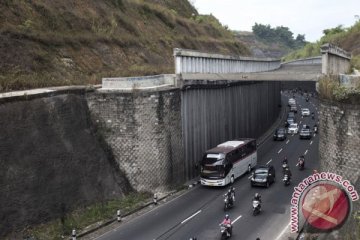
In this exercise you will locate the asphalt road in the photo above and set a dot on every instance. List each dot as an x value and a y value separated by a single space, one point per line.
198 212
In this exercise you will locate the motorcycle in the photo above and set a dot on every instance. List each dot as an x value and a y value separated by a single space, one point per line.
301 163
285 166
228 202
256 207
226 231
313 116
286 180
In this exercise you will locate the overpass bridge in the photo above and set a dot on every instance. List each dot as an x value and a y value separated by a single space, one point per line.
209 99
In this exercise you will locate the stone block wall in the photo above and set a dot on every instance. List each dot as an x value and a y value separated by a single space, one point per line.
52 161
144 131
339 150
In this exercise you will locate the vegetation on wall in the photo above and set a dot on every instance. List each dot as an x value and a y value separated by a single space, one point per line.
331 88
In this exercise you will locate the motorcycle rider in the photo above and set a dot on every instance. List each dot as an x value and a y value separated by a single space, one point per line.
285 163
315 128
301 161
257 197
229 196
227 223
232 190
287 172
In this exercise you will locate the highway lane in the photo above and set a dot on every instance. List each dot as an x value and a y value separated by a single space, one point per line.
199 211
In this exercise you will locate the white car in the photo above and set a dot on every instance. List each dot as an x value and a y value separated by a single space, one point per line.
305 112
291 102
293 128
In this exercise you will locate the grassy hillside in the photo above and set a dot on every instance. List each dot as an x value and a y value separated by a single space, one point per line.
260 48
50 43
348 39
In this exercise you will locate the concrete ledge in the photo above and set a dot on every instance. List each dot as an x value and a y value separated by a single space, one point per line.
130 83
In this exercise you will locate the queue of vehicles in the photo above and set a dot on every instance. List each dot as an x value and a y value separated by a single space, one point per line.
227 161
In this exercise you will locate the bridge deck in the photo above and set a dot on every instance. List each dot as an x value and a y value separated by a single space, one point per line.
284 73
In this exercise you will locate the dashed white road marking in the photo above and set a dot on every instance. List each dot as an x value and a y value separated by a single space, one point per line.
279 151
314 134
311 142
191 217
287 141
236 219
269 162
282 232
306 152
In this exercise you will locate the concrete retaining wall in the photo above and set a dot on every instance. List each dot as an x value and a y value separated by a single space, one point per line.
334 59
52 161
190 61
143 129
217 113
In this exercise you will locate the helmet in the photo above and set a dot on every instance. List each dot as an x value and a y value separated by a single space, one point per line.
256 195
229 191
232 189
227 216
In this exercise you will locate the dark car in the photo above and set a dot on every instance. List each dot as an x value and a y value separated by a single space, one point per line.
280 134
305 133
263 176
291 115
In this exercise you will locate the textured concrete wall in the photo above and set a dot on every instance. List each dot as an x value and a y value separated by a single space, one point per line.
334 59
190 61
52 161
339 150
144 132
304 61
215 113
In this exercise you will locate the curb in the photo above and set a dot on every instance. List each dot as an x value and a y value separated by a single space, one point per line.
114 219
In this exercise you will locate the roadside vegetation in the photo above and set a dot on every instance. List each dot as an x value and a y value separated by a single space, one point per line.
330 88
82 218
51 43
346 38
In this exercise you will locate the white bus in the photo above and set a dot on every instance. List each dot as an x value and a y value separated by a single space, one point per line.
227 161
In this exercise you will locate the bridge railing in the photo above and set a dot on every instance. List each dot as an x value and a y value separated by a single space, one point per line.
305 61
190 61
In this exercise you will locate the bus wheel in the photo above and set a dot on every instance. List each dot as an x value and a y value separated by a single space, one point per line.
249 168
232 179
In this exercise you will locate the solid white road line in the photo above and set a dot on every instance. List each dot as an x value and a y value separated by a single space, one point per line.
287 141
279 151
269 162
311 142
191 217
306 152
236 219
282 232
314 134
